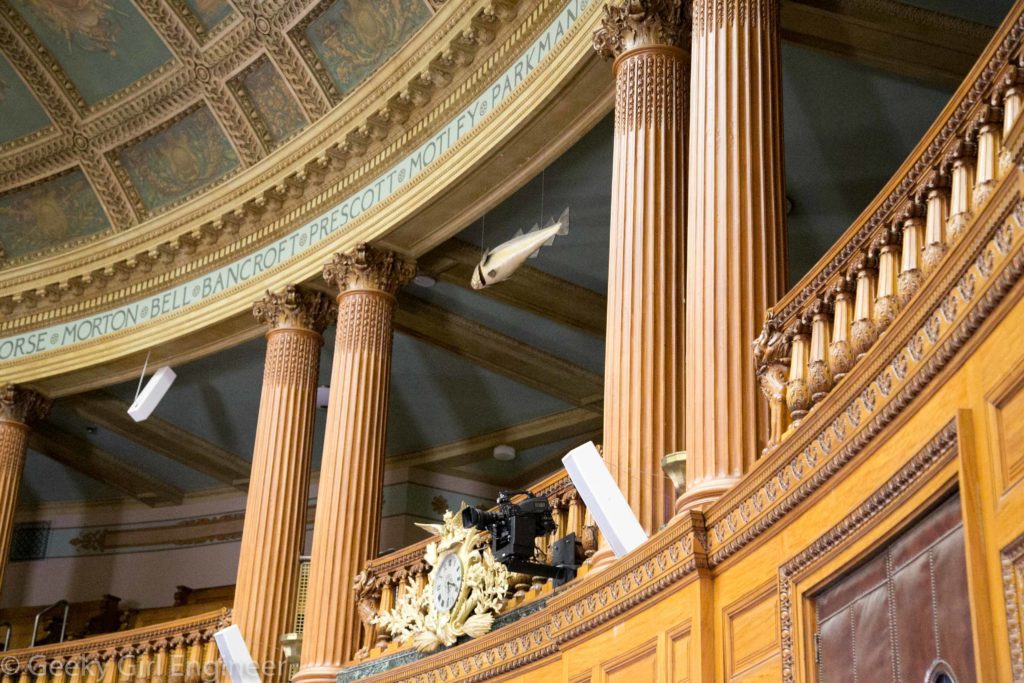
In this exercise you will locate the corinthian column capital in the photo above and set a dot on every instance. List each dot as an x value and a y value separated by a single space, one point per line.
368 268
296 307
642 23
25 406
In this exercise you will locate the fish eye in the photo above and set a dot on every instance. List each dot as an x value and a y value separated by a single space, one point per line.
492 273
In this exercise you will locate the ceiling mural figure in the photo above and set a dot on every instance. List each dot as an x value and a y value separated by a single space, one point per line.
91 25
177 161
353 37
55 211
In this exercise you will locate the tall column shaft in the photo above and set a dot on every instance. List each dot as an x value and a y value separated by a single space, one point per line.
19 408
347 525
275 511
736 247
644 351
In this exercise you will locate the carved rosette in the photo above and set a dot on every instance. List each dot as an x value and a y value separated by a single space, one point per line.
368 268
642 23
21 405
295 307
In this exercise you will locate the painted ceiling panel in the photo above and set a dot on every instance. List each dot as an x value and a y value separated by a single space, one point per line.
263 91
580 179
438 397
351 38
174 473
102 45
209 12
847 129
577 347
179 160
47 481
526 460
58 210
20 113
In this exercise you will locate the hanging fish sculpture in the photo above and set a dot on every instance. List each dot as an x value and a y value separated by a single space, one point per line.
499 263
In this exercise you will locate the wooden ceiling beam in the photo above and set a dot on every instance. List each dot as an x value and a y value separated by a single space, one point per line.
885 34
521 436
161 436
94 462
499 352
531 289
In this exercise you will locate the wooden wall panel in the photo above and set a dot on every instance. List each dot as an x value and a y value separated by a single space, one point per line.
1006 411
751 631
632 666
679 655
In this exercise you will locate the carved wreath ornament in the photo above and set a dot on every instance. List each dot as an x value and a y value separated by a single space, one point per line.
465 589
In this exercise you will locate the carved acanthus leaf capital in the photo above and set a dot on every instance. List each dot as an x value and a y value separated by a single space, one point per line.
296 307
642 23
366 267
26 406
772 345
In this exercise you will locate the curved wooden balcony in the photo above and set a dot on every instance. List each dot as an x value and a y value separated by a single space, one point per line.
181 651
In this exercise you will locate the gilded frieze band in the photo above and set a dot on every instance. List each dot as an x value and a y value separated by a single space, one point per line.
555 30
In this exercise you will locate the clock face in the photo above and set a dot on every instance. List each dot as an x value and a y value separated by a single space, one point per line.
447 583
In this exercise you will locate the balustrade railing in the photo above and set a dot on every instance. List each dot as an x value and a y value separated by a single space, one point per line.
180 651
820 330
385 578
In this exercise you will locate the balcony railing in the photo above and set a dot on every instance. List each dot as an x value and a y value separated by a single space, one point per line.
387 577
820 330
181 651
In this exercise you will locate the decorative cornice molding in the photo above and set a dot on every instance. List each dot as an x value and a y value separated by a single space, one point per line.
336 158
25 406
366 267
642 23
922 341
938 449
296 307
1012 561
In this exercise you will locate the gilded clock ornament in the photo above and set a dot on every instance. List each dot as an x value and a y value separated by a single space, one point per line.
465 590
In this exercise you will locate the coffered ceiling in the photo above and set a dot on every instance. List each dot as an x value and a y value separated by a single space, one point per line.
113 111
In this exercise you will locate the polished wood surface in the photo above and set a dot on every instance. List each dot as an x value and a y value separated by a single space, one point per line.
275 511
347 524
735 235
643 382
19 409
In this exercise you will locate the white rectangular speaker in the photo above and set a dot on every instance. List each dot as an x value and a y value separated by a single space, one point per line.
149 397
235 653
604 499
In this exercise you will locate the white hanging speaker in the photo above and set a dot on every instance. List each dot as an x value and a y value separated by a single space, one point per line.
235 653
147 399
604 499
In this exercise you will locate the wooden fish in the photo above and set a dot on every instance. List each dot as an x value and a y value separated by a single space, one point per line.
499 263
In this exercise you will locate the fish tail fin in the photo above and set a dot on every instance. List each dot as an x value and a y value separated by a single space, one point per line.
563 221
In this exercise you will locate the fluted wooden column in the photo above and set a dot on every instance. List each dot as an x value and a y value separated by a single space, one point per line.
643 386
347 525
735 235
19 408
275 512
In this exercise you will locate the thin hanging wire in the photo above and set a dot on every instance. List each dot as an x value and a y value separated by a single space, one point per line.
483 228
144 366
542 197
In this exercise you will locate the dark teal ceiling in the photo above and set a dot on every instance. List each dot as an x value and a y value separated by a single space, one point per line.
847 129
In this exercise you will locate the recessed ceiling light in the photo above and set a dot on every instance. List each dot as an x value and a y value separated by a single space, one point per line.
91 429
424 280
504 452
